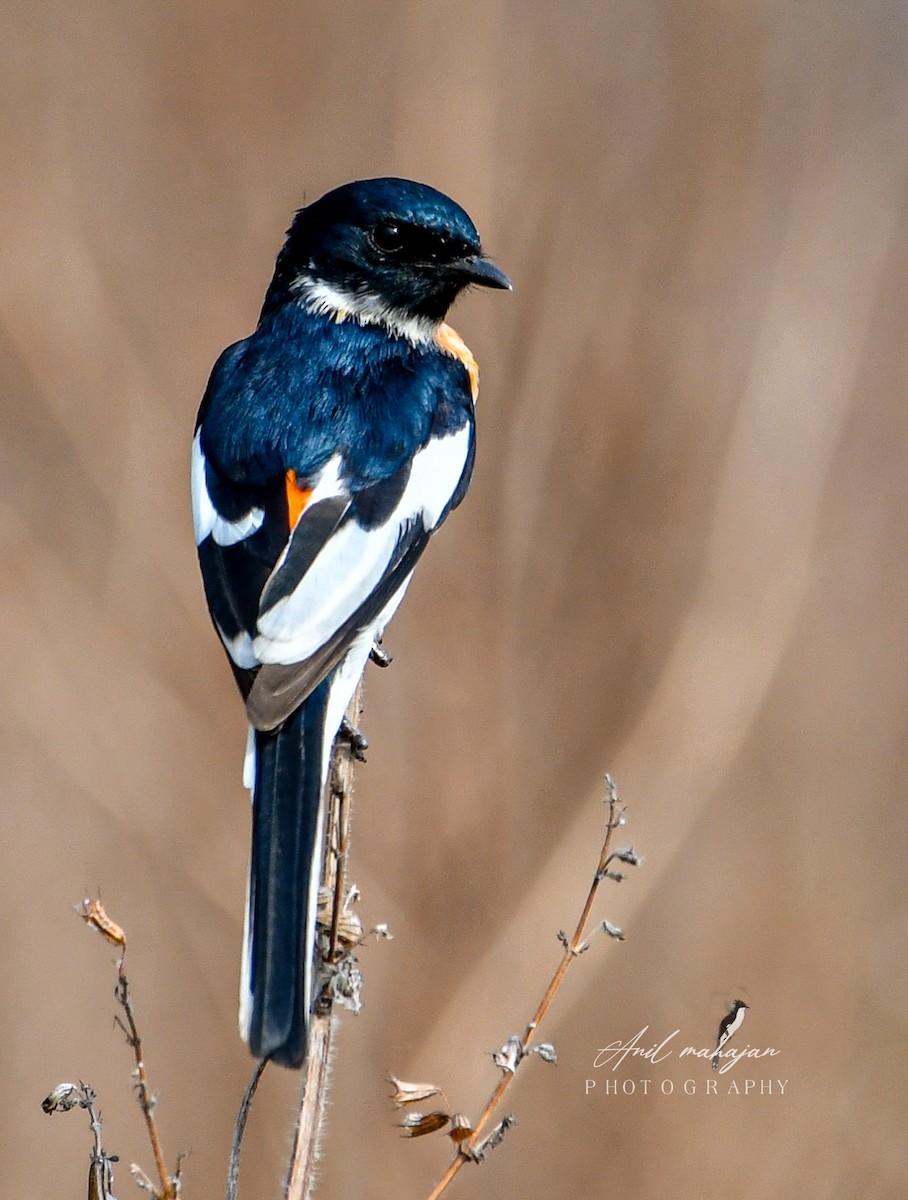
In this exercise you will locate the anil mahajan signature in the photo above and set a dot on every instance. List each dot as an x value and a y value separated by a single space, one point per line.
616 1052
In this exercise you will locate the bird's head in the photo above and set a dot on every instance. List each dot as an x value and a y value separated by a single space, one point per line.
386 251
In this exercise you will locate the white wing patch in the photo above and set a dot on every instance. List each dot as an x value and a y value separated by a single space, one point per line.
239 648
435 474
350 566
249 760
207 520
328 481
345 572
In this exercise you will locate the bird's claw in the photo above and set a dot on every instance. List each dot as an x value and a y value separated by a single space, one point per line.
358 742
380 657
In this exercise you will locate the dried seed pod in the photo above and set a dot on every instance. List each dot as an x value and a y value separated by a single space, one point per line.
349 926
64 1097
93 914
410 1093
461 1128
418 1125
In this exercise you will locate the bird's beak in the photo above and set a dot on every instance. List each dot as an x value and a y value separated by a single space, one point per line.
482 272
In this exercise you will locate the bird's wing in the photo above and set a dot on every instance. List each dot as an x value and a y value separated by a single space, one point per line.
295 572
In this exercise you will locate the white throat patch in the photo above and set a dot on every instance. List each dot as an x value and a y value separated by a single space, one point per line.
367 309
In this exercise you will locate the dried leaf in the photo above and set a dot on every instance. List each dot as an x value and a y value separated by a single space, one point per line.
495 1138
344 985
141 1180
418 1125
349 926
628 855
615 875
349 929
509 1056
410 1093
546 1052
613 931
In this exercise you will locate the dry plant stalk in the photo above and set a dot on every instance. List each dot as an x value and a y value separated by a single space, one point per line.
313 1094
94 915
472 1148
314 1091
170 1185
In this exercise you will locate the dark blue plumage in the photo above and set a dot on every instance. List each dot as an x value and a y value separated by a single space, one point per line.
330 444
342 238
346 384
287 786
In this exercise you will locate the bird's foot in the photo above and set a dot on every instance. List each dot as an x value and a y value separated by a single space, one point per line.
358 742
380 657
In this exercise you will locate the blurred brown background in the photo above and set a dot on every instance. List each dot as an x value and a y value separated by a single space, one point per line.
682 560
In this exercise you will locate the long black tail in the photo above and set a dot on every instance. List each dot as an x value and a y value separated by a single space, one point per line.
287 819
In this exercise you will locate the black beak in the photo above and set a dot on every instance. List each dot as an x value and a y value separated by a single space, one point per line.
482 272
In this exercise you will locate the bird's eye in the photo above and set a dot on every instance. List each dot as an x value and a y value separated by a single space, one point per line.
388 236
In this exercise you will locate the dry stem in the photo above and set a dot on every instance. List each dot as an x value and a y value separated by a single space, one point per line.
94 915
313 1096
573 947
170 1187
314 1092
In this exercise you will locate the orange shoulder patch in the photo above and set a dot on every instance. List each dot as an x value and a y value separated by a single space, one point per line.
297 499
452 343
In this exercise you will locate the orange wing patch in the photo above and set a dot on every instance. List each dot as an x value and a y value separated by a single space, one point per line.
297 499
452 343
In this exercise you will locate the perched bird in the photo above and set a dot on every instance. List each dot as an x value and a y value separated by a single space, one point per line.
330 445
729 1025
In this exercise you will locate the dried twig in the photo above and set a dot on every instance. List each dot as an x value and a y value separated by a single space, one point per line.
516 1049
170 1186
94 915
338 965
301 1172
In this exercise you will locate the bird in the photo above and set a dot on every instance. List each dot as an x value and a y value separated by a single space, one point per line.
729 1025
330 445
